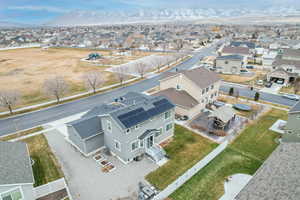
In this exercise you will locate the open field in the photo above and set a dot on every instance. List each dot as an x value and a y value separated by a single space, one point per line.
25 70
46 167
185 150
245 155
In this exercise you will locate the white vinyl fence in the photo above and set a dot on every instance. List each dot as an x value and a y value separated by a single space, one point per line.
51 187
191 172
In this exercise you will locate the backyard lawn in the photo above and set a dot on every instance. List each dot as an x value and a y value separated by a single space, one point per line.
244 155
185 150
46 167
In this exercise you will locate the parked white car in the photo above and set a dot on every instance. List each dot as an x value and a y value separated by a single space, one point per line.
260 82
291 96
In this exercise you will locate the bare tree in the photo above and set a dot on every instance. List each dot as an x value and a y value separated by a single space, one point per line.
141 68
56 87
120 73
93 79
8 99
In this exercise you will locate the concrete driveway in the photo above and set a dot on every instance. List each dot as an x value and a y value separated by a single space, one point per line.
86 180
274 89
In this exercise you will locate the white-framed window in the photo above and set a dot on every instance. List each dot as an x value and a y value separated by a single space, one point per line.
212 86
134 145
141 143
169 126
207 89
13 194
109 128
159 132
203 91
167 114
117 145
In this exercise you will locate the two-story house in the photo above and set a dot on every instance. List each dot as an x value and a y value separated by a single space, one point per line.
190 90
129 127
231 64
16 176
286 66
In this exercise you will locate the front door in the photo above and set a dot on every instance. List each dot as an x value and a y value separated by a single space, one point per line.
150 141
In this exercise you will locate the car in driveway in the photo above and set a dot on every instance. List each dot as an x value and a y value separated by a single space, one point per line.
292 97
250 67
268 84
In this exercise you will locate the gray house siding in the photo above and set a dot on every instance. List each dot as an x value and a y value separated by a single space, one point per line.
94 143
228 66
126 139
75 139
27 190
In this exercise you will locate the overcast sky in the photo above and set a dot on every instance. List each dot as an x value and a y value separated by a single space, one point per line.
39 11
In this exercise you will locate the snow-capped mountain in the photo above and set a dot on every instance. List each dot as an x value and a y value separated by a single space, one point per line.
81 17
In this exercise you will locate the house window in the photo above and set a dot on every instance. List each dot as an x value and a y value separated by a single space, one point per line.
167 114
169 126
141 143
109 125
207 89
159 132
212 87
14 194
134 145
212 95
178 87
203 91
117 145
127 131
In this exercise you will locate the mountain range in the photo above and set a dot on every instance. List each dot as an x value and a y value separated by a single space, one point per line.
82 17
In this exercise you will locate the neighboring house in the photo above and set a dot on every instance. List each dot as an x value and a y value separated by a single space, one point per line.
279 176
250 45
16 176
292 128
190 90
268 58
128 127
286 66
242 51
231 64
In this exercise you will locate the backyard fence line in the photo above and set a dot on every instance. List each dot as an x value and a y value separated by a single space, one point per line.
191 172
51 187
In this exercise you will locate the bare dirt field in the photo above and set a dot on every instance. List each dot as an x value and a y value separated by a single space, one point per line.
25 70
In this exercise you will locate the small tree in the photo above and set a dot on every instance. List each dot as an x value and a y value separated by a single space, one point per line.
256 96
120 73
231 91
93 79
8 99
56 87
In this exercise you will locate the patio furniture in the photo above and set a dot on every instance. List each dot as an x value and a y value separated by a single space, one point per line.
98 158
103 163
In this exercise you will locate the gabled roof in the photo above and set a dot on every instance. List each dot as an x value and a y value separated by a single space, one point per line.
87 127
15 163
236 50
231 57
178 97
200 76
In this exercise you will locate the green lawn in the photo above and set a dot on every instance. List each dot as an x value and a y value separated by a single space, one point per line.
185 150
244 155
208 183
46 167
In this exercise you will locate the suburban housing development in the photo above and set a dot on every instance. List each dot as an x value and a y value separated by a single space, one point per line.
131 101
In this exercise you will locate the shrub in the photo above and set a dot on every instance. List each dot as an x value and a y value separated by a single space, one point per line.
231 91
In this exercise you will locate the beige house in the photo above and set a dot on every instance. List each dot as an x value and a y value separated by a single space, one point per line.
231 64
190 90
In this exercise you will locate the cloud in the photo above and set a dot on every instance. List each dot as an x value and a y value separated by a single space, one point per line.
39 8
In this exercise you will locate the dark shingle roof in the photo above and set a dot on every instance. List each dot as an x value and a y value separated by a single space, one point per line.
250 45
87 127
15 164
278 178
236 50
178 97
230 57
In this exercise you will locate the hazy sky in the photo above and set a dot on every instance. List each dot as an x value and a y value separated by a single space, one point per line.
39 11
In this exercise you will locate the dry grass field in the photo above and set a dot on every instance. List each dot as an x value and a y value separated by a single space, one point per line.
25 70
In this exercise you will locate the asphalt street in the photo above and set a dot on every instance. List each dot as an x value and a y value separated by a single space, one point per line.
47 115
